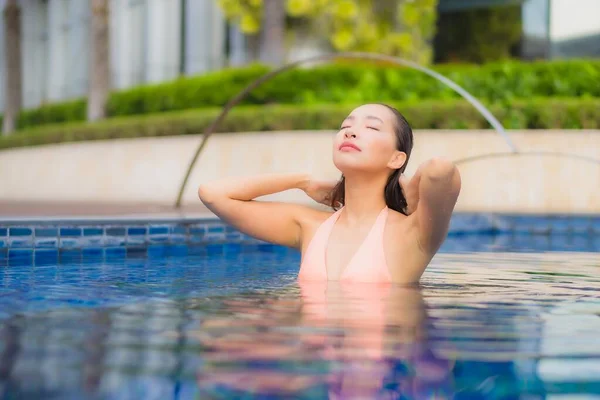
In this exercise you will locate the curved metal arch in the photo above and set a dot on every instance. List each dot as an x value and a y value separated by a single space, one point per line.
336 56
480 157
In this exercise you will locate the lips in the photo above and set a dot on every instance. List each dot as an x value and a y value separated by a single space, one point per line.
349 146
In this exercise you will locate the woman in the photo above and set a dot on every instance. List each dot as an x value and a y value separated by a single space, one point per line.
386 229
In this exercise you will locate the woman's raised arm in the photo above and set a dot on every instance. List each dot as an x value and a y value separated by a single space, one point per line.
233 200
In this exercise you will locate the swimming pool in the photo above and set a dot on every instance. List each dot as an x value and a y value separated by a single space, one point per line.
188 309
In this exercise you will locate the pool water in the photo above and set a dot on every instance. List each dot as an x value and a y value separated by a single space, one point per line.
231 321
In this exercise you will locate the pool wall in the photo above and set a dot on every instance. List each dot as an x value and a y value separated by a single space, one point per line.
26 242
150 170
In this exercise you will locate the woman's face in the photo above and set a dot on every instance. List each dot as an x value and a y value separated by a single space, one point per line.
367 141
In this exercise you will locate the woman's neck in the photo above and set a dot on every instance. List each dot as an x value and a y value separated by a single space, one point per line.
364 197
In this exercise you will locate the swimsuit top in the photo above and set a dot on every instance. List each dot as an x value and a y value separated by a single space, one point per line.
368 264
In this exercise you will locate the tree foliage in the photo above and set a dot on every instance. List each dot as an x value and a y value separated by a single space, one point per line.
397 27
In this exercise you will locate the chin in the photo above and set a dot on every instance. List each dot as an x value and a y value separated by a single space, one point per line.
349 166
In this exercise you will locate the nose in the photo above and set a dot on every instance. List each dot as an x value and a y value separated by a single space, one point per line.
349 134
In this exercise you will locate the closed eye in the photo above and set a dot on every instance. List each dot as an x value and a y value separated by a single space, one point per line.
373 128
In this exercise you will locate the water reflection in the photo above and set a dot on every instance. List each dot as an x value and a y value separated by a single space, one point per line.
338 340
482 326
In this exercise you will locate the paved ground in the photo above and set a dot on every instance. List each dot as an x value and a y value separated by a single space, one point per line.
31 210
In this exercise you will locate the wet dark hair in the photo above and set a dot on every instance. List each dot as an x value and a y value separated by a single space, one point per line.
394 198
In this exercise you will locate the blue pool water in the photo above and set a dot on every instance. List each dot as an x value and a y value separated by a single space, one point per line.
197 311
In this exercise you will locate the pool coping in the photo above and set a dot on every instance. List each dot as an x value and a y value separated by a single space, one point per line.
112 219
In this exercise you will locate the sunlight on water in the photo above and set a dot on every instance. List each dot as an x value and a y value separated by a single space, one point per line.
491 325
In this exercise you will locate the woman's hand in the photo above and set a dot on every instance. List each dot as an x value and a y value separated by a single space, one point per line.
410 189
319 190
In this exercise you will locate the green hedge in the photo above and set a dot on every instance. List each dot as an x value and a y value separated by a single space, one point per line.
341 83
570 113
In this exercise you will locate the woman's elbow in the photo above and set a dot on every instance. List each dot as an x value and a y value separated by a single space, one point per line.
440 169
443 171
207 194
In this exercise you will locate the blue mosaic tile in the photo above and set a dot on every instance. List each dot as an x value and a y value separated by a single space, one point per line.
158 230
216 229
115 231
177 250
197 229
580 225
3 232
115 253
136 231
595 243
542 226
179 229
114 240
20 256
157 251
93 231
561 242
580 241
69 255
46 242
232 248
136 240
66 243
178 238
470 223
45 256
20 242
197 250
3 254
3 243
136 252
92 252
197 233
501 224
540 242
93 241
214 249
213 238
46 232
523 223
159 239
559 224
233 236
70 232
596 224
19 231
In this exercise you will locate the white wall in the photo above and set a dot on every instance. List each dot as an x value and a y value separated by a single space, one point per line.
571 19
205 36
163 38
77 58
57 50
149 170
2 61
34 52
145 45
128 24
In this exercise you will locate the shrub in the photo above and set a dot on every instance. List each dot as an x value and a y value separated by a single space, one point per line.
540 113
343 84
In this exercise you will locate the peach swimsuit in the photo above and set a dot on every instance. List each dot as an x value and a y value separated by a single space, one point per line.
368 264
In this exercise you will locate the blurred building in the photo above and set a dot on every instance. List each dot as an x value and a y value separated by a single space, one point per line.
158 40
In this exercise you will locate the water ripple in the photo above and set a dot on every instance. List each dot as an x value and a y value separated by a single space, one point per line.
486 326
